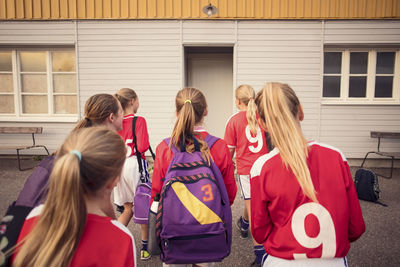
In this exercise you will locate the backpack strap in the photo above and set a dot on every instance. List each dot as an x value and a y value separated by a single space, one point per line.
211 140
269 141
138 155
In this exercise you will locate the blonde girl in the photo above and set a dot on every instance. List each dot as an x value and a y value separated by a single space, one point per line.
304 206
243 136
74 227
191 108
124 192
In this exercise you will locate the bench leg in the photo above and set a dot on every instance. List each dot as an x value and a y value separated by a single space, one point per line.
391 168
365 158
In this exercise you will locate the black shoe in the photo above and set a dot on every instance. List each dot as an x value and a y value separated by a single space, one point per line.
255 264
243 233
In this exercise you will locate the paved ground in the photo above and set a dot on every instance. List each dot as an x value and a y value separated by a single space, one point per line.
379 246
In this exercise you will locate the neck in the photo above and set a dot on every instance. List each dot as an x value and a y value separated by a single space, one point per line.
100 205
242 107
129 110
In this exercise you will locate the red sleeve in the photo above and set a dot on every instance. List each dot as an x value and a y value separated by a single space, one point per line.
356 221
230 133
222 158
261 224
142 135
161 163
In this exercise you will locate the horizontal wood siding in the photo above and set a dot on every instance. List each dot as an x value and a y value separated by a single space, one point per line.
288 52
348 126
142 55
203 32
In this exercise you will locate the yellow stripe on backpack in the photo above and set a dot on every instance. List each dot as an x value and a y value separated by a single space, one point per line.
202 213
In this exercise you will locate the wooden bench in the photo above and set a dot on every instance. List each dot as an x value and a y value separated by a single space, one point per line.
23 130
392 155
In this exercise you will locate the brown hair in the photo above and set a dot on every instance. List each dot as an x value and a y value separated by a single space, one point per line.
97 109
125 95
245 94
278 107
54 239
190 107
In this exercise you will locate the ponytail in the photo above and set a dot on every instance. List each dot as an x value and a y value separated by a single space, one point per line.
245 94
278 107
190 107
65 209
87 160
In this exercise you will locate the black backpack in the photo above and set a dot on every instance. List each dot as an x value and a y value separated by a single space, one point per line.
367 186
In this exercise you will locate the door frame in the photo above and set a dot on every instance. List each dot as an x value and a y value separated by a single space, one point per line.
210 44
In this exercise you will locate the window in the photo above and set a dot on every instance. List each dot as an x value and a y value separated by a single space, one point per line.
361 76
38 84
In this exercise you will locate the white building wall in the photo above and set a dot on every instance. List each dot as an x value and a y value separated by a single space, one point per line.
288 52
348 126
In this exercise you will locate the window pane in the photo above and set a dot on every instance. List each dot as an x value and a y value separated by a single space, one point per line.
65 104
5 61
63 61
332 62
385 62
331 86
34 83
6 83
6 104
383 86
358 62
358 87
33 61
34 104
64 83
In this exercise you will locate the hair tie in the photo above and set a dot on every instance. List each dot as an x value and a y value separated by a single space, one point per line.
250 98
188 101
87 119
77 153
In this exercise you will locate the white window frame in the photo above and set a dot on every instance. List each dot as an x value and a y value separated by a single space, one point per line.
344 99
18 115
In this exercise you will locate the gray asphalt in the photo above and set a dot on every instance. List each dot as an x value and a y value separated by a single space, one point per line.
379 246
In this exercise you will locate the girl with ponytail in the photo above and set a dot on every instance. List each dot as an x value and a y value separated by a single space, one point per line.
74 227
304 206
191 108
244 136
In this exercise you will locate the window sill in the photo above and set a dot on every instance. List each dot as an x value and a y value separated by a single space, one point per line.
384 102
10 118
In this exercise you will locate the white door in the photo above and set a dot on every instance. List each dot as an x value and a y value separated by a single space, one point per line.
213 75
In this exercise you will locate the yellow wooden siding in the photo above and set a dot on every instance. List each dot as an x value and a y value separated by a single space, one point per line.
192 9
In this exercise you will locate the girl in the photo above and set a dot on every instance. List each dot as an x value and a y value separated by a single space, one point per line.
243 135
124 192
74 227
304 206
191 108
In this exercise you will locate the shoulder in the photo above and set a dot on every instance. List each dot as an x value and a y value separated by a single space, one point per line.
260 162
327 149
122 229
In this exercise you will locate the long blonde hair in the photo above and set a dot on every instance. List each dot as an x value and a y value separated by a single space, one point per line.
278 107
54 239
245 94
190 107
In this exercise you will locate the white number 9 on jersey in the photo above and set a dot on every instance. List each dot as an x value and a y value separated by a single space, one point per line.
258 140
326 236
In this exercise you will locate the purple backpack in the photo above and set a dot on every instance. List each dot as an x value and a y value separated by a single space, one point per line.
194 218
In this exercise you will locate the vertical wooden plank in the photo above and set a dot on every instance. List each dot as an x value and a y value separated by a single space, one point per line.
362 8
37 9
388 9
178 9
133 9
203 3
275 9
186 8
46 9
142 8
371 9
70 7
125 9
168 12
231 10
258 9
151 9
250 9
107 7
55 9
267 9
81 9
160 9
3 7
90 9
98 9
27 9
307 9
194 8
10 9
115 9
241 8
222 8
343 8
19 9
288 9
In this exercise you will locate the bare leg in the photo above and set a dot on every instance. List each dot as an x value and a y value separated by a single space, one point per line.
144 228
126 216
247 209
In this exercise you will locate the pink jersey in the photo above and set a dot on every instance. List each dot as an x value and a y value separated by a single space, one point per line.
141 134
289 224
104 242
249 147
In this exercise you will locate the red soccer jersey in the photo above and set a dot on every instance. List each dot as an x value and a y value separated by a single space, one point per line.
141 134
219 153
104 242
288 223
249 147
